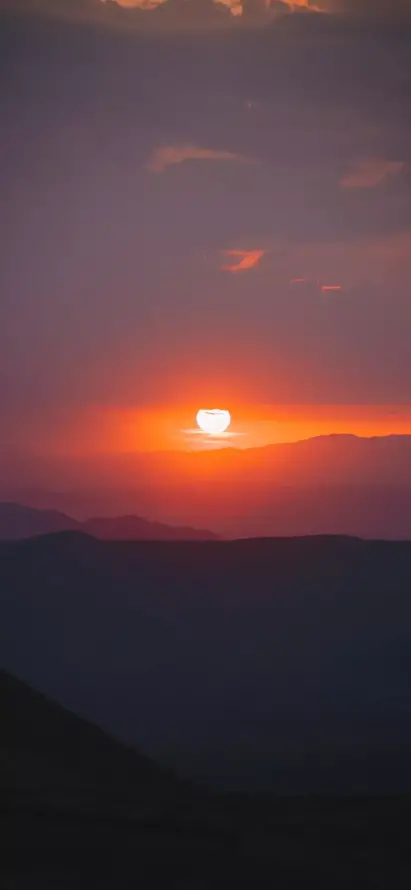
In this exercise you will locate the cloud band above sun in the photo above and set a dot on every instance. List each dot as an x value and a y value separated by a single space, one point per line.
236 8
188 15
165 14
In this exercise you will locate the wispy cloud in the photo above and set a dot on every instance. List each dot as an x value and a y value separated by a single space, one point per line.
236 8
370 173
333 266
167 14
246 259
137 4
324 288
167 155
204 14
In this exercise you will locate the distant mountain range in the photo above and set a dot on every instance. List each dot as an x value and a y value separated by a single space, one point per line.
18 521
281 665
336 484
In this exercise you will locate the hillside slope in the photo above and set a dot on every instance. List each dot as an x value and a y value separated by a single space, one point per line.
18 522
277 664
78 809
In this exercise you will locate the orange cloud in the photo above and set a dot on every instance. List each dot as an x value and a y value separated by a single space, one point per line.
249 259
297 4
323 287
168 14
371 173
137 4
234 6
363 262
168 155
250 10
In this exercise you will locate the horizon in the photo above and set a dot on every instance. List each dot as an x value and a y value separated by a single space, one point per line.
168 429
336 484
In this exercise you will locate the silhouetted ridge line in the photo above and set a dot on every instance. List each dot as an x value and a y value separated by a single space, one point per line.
17 521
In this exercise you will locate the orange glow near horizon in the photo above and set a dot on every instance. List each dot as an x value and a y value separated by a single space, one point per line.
116 430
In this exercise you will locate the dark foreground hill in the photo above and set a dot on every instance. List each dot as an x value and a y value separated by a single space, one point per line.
281 665
78 809
18 521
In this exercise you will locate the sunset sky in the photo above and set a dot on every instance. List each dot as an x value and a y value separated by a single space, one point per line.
203 204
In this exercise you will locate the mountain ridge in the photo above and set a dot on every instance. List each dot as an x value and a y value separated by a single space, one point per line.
338 484
18 521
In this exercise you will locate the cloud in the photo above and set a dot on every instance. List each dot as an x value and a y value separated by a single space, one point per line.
137 4
165 14
236 8
168 155
247 259
208 14
371 173
325 288
332 266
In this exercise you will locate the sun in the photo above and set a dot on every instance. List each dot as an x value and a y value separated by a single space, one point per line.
213 421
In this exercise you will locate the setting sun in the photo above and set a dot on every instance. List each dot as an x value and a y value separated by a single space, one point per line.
213 421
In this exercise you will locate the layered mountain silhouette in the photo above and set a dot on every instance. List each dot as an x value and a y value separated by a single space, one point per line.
17 521
280 665
340 484
80 809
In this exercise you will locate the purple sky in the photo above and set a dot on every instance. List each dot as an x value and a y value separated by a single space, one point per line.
140 147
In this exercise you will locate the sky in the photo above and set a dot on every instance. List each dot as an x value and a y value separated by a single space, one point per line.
203 204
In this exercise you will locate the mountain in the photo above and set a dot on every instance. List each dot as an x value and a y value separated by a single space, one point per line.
17 521
340 485
280 665
77 805
79 809
133 528
57 756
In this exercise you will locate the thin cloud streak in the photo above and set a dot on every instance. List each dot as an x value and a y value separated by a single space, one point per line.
371 173
248 259
169 155
325 288
146 5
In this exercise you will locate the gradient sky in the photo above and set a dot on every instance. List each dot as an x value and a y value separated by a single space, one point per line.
202 203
